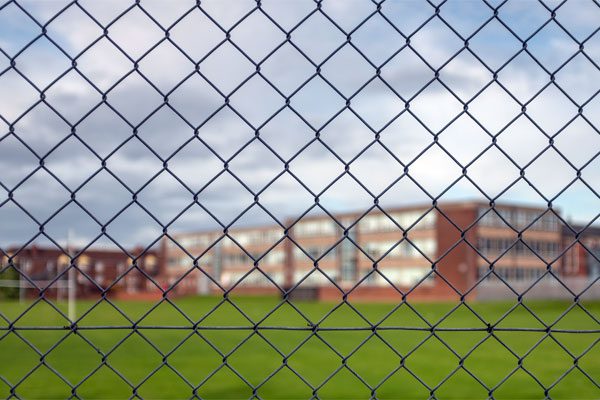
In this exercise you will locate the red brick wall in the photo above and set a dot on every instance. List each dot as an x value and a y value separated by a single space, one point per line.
38 258
459 265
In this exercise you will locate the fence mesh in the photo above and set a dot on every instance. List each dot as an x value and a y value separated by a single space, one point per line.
228 63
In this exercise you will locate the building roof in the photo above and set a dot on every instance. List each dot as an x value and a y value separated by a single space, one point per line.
592 230
357 213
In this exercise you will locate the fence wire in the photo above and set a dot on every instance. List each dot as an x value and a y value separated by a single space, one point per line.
405 40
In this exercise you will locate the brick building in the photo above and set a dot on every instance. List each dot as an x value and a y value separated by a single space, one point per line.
413 250
97 269
224 261
581 258
374 256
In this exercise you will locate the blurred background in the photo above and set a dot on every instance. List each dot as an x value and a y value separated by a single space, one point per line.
305 156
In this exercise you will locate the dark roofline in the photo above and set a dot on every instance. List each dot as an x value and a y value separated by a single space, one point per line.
400 208
592 230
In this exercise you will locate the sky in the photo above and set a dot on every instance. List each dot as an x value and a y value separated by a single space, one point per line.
324 115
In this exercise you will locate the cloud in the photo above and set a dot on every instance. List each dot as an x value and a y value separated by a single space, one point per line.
210 121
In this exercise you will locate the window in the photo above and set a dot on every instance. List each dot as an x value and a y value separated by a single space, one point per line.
547 222
519 248
277 277
315 228
555 249
236 258
427 246
257 279
514 273
242 238
407 219
189 241
150 263
179 262
490 219
376 249
299 254
519 274
552 221
348 271
274 257
401 220
99 267
521 220
428 221
315 252
186 242
132 282
482 271
497 246
370 223
261 237
405 276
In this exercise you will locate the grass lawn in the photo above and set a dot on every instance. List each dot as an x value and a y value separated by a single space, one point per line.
337 363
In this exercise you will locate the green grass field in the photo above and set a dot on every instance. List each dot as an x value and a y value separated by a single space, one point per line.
248 353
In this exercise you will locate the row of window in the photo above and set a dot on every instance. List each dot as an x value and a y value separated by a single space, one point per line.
403 249
254 279
255 237
191 241
382 223
374 249
322 227
271 258
370 223
244 238
95 269
52 267
315 252
316 278
518 219
543 248
185 261
324 252
518 274
399 276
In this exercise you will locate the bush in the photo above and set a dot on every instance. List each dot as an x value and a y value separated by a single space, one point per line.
9 292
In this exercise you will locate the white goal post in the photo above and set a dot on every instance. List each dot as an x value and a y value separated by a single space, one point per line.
70 285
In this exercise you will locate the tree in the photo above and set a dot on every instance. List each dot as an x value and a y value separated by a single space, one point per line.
9 273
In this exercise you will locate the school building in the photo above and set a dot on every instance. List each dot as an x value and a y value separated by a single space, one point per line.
418 251
415 252
96 271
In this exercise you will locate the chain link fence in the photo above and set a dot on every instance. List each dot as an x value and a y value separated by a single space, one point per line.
294 133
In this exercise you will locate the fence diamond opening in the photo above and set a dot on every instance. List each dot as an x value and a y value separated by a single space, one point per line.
321 153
